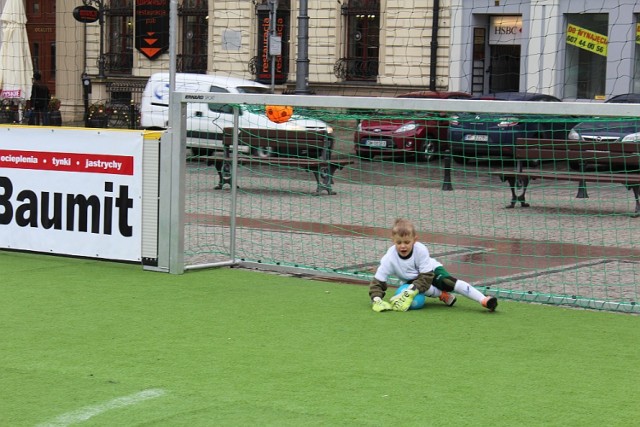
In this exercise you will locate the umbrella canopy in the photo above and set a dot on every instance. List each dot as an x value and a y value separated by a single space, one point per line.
16 69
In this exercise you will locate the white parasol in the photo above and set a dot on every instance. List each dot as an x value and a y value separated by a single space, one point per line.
16 69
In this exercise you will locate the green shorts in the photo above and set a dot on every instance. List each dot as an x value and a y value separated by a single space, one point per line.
439 279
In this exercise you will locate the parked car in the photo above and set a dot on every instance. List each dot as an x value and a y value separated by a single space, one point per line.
477 136
206 121
406 134
607 130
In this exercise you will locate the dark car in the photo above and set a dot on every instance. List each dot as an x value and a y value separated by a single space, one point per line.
610 129
477 136
419 135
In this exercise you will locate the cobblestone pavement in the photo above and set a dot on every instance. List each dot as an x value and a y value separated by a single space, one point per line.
576 244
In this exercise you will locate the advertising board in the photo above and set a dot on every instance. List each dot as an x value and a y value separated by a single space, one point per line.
71 191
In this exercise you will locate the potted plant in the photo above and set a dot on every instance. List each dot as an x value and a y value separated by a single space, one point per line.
8 111
97 116
54 111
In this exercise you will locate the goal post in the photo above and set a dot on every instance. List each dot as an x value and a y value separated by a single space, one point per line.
562 250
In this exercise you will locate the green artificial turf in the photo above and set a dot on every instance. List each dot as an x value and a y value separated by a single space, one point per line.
82 340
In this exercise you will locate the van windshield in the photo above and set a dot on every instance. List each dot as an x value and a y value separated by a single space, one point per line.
253 89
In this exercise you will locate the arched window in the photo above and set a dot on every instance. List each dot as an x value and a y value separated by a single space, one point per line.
362 40
194 17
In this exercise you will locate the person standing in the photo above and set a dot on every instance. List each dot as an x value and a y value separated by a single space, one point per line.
40 97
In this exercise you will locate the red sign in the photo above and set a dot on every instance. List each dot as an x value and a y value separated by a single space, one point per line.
152 27
11 93
264 59
67 162
86 14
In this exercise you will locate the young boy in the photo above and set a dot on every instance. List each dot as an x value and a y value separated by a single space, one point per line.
409 261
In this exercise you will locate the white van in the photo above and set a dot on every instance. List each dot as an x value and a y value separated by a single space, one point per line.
206 121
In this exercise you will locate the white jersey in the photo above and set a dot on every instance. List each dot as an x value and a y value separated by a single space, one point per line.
408 269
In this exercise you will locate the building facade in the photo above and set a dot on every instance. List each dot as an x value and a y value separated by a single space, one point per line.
576 50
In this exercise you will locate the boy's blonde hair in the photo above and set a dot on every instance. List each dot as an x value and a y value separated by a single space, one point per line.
403 227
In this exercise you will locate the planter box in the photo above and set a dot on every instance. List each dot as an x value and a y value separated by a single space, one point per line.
98 122
55 118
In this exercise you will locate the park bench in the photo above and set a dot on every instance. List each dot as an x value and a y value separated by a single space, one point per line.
284 149
597 162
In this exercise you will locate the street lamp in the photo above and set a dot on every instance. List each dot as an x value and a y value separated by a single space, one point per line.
100 5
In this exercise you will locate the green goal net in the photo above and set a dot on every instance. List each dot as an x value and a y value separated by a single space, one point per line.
555 246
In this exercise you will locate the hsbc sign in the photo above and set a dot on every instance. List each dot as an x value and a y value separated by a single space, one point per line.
505 30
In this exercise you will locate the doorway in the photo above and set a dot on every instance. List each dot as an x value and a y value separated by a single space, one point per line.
41 30
504 68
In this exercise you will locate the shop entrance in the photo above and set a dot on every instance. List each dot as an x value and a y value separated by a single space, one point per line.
41 31
504 75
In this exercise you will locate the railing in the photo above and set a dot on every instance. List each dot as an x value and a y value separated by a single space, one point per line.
118 62
356 69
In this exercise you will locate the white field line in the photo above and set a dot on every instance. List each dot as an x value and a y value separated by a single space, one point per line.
83 414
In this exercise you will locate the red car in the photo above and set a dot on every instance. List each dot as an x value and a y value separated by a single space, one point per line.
418 135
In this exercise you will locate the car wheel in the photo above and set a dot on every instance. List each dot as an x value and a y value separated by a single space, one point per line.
426 151
521 186
226 171
262 152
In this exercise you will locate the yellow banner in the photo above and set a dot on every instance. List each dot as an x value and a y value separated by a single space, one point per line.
638 33
587 40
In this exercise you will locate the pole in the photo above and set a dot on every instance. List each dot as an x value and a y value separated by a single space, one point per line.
84 78
101 64
173 152
302 62
101 61
446 182
273 13
434 45
173 50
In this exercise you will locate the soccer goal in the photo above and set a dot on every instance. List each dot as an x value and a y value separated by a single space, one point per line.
256 207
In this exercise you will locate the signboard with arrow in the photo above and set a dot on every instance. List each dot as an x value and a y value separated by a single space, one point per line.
152 27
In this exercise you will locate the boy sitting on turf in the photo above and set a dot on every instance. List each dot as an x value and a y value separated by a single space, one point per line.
410 262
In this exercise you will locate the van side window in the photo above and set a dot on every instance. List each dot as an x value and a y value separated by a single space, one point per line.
220 108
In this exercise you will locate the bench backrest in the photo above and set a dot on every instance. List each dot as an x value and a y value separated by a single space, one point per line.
279 139
563 150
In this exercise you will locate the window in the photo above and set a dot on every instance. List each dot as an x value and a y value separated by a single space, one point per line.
220 108
362 40
194 16
586 56
119 18
636 67
41 32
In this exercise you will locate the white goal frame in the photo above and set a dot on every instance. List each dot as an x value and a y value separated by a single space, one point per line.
173 151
